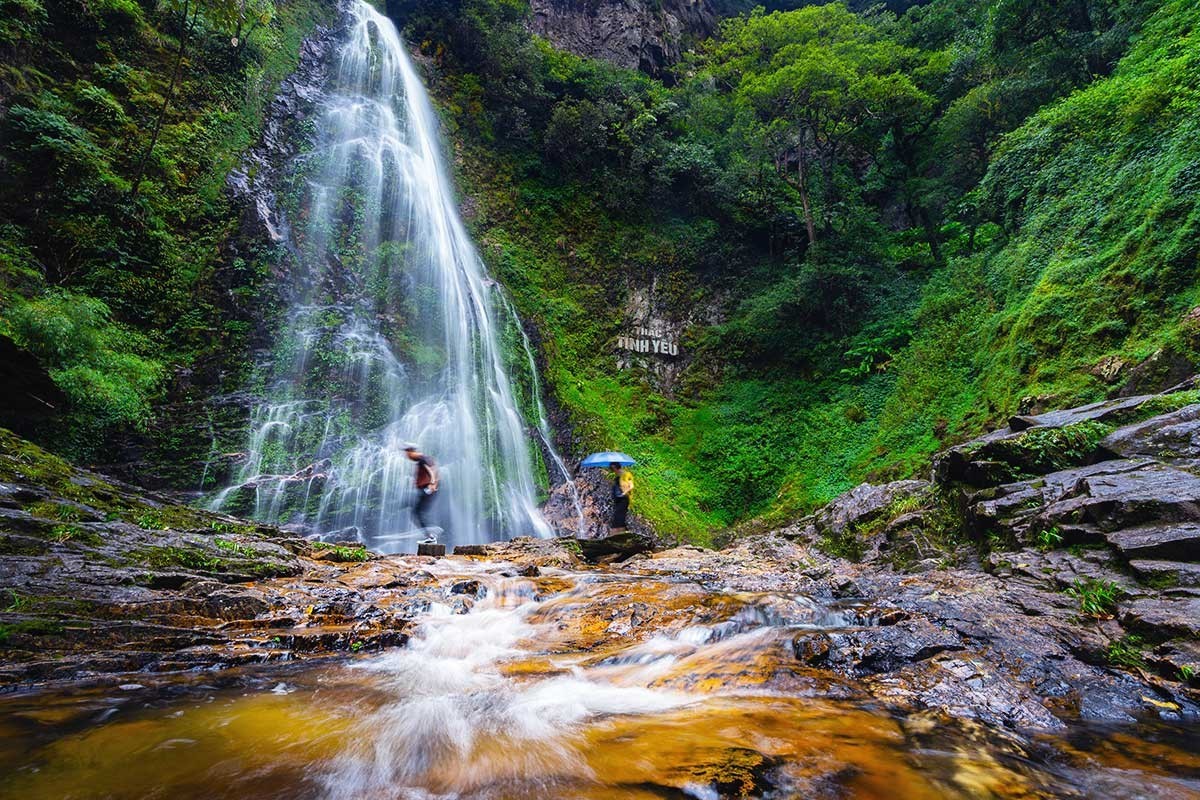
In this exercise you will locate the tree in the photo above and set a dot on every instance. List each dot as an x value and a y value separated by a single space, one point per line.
827 86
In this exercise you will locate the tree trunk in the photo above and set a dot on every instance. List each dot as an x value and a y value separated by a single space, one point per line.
162 112
802 184
931 234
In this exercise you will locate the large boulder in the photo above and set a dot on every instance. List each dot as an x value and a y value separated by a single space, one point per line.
859 519
1086 503
1116 500
1156 572
616 547
1163 617
1173 435
1056 440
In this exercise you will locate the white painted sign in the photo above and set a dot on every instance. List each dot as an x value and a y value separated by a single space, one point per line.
644 340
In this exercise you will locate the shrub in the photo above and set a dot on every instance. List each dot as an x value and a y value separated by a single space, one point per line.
91 358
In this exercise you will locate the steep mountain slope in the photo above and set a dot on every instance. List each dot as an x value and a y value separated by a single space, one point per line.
119 122
1015 242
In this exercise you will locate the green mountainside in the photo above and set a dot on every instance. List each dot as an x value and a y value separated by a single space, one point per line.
1002 206
119 122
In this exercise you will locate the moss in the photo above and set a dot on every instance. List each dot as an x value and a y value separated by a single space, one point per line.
75 533
1043 450
21 546
168 557
344 553
28 628
1158 405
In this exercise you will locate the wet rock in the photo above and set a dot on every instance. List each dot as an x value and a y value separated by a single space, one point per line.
1173 435
1177 541
1165 370
618 546
844 586
1101 411
1164 574
970 688
1057 570
1177 660
812 648
853 511
886 649
182 589
470 587
1163 617
1116 500
1088 502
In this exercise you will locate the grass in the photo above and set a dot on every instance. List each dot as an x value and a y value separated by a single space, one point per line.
1127 652
1097 598
346 553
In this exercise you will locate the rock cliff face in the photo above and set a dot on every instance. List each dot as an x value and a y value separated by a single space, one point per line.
630 33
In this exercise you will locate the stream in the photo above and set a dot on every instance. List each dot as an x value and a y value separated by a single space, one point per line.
565 684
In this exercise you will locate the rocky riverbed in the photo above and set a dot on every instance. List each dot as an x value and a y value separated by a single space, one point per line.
1041 584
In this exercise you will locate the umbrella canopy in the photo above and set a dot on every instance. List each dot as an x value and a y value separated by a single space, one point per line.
606 458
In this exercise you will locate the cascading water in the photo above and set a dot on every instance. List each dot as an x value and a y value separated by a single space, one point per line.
395 336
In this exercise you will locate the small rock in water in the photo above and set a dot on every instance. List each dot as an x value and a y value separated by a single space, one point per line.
282 688
130 687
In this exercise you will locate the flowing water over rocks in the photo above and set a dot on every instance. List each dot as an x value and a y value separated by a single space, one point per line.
395 333
155 650
524 678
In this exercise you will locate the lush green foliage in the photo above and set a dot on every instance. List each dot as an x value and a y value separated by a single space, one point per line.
906 225
120 123
1097 598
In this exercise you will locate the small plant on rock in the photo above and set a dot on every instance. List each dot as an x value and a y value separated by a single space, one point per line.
1097 598
1126 652
1050 538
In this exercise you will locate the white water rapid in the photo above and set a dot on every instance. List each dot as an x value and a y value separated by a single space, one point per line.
395 334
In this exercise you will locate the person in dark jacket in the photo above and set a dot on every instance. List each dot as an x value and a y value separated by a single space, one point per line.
622 489
426 482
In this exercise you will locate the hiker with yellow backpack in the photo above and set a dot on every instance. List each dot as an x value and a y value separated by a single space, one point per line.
622 485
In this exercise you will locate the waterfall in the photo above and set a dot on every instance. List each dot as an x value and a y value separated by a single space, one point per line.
395 333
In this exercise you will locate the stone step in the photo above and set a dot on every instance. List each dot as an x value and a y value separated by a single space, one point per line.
1173 541
1173 435
1161 572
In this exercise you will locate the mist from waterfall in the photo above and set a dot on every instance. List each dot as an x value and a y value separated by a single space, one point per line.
395 335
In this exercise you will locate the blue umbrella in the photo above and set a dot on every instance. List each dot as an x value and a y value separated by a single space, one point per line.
606 458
